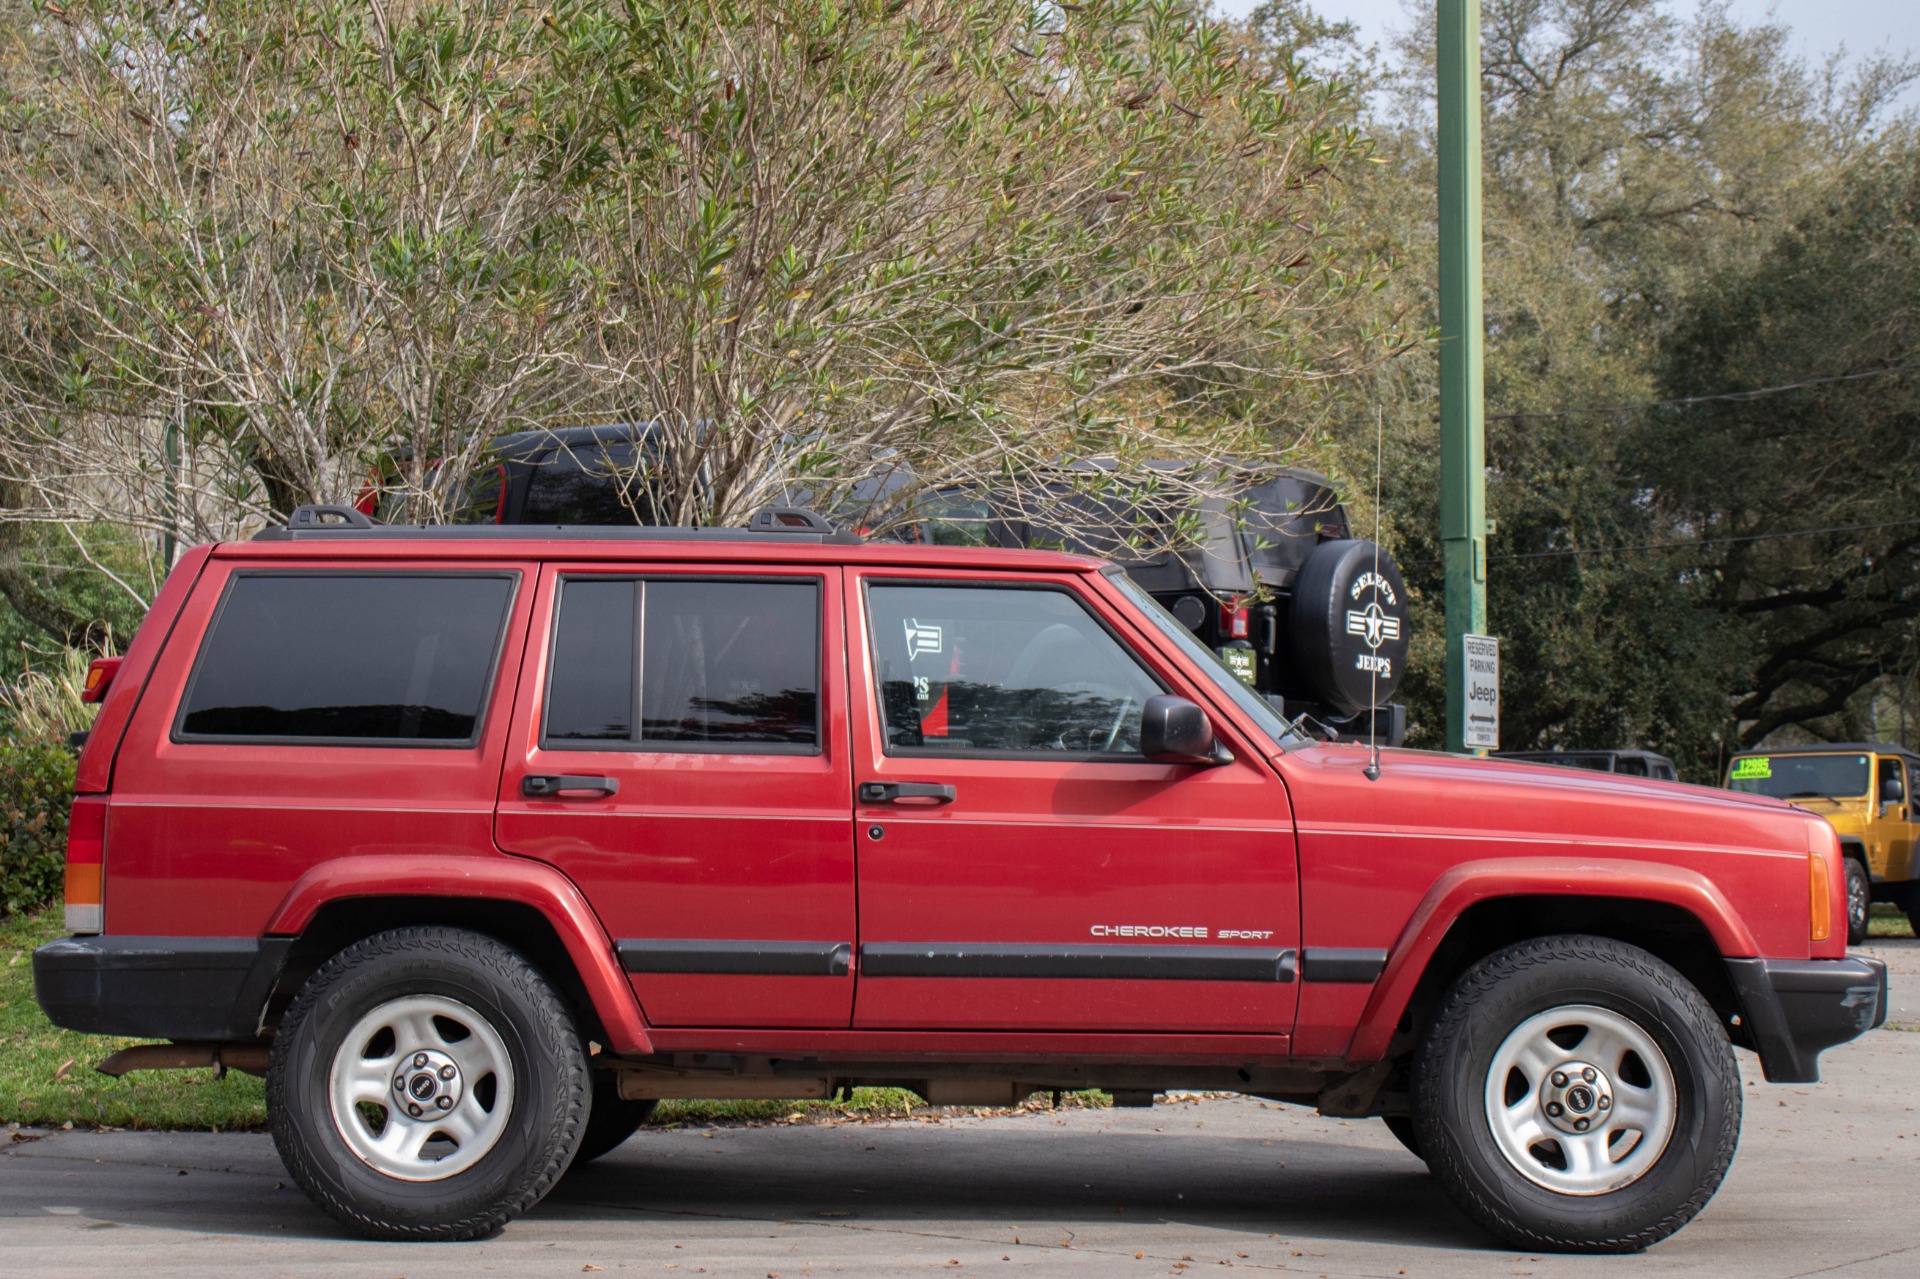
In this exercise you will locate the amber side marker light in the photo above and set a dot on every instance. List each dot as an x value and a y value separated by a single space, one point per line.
100 673
1820 903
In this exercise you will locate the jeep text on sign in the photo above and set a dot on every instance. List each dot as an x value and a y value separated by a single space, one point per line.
1482 653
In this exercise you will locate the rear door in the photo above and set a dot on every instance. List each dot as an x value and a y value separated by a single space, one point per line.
1022 865
678 750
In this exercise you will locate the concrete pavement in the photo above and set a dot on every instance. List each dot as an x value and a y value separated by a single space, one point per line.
1826 1183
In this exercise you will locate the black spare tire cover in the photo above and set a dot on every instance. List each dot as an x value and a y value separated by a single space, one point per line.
1347 625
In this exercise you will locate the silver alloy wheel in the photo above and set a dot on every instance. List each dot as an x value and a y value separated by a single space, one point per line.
1580 1100
421 1088
1858 904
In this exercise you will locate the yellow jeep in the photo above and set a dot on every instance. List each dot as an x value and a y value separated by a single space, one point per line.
1863 788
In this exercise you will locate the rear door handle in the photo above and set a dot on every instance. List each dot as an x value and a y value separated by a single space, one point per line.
894 792
535 786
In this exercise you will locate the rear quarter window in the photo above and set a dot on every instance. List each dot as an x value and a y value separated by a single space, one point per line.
348 659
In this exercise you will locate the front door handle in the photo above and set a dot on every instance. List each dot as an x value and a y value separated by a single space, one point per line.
895 792
535 786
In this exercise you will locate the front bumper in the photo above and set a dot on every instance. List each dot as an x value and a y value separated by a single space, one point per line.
191 989
1795 1009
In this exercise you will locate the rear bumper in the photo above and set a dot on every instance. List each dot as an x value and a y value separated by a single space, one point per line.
1795 1009
194 989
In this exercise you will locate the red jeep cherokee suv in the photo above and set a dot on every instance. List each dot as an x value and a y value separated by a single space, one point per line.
478 841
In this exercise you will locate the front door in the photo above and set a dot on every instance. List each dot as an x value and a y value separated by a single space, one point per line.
1022 866
678 751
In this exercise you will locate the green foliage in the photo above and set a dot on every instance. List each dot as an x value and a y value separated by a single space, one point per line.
1634 156
1823 621
43 706
36 781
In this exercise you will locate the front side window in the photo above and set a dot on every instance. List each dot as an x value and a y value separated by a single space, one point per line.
349 658
967 669
668 664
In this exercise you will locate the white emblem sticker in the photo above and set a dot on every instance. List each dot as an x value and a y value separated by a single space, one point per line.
923 639
1374 624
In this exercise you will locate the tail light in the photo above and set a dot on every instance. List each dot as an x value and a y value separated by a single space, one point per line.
100 673
86 860
1235 621
1820 897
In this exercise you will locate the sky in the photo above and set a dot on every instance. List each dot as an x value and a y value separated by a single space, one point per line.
1864 26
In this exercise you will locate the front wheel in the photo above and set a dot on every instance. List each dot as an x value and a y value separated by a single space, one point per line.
1577 1094
426 1083
1859 901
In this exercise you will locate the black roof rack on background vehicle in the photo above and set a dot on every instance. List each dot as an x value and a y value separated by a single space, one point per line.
774 523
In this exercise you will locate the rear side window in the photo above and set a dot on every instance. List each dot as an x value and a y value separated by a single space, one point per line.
670 664
349 659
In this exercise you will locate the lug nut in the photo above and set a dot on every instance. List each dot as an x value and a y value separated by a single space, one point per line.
419 1059
1559 1079
1589 1075
1580 1125
1606 1103
446 1072
445 1103
1553 1108
413 1110
399 1081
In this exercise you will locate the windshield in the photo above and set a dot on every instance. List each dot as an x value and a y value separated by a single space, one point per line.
1223 679
1800 776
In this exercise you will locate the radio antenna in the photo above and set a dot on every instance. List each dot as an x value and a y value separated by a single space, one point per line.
1372 771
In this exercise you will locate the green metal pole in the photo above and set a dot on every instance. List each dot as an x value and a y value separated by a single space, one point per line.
1463 451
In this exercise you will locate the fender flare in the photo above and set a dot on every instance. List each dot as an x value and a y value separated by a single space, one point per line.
507 879
1471 883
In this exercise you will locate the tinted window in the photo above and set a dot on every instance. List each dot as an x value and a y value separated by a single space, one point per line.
590 698
1000 669
349 657
593 485
717 663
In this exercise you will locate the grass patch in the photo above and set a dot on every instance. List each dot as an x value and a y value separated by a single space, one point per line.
47 1077
1886 920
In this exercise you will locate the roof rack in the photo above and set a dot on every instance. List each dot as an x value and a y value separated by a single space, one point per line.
322 522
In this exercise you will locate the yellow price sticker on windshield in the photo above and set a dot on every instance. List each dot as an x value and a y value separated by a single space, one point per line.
1752 769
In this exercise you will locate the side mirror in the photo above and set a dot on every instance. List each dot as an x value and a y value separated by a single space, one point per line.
1893 791
1175 731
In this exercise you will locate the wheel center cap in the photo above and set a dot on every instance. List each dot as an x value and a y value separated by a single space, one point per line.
426 1084
1576 1096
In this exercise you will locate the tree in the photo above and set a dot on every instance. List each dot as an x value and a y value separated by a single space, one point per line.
1824 618
253 253
1631 156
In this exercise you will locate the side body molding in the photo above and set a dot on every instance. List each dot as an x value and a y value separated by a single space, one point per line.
507 879
1471 883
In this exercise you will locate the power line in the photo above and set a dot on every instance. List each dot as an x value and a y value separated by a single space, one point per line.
1703 541
1684 543
1754 394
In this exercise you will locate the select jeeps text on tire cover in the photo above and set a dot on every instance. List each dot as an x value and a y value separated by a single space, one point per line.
478 843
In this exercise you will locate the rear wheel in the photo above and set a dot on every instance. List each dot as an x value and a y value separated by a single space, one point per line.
1576 1093
1859 900
426 1083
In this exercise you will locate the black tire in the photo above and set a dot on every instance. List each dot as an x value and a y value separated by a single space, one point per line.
613 1119
505 1007
1521 995
1401 1126
1859 900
